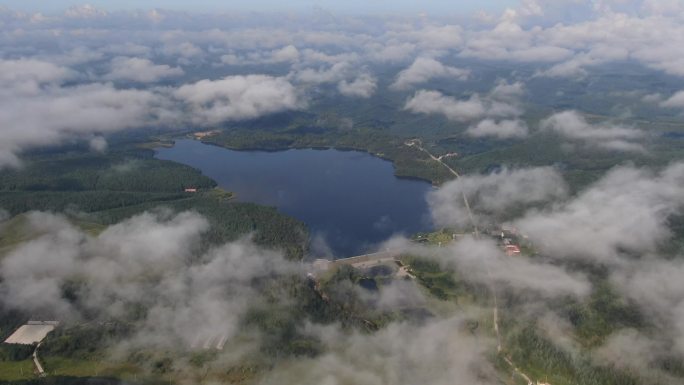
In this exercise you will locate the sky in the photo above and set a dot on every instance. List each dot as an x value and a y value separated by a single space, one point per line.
350 6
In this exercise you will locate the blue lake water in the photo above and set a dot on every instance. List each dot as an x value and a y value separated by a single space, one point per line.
350 200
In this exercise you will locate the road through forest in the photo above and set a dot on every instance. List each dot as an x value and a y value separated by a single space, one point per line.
495 311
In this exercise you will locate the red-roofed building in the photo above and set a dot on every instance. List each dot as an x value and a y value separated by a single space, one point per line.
512 250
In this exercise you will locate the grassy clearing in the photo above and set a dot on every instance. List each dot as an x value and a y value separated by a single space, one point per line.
442 284
16 370
436 238
12 233
59 366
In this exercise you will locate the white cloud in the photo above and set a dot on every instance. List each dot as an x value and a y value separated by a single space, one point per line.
127 49
663 7
502 129
627 349
98 144
674 101
57 113
434 102
85 11
390 53
508 91
312 56
502 102
140 70
572 125
653 98
433 36
363 86
576 66
484 261
655 286
148 260
185 50
509 41
237 97
619 218
604 35
155 15
437 352
423 69
491 195
289 53
626 211
332 74
37 110
28 76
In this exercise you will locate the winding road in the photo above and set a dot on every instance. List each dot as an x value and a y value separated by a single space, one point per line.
36 362
499 346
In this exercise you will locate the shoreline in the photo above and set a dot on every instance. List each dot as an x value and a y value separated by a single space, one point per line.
239 199
320 148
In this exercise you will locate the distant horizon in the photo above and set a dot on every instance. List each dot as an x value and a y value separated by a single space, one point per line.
349 7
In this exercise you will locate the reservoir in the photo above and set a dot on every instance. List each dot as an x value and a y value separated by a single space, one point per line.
350 200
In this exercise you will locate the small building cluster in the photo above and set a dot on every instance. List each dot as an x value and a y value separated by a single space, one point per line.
32 332
509 240
204 134
512 250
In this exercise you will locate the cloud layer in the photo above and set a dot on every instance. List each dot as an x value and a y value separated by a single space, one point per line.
39 109
423 69
572 125
150 260
269 64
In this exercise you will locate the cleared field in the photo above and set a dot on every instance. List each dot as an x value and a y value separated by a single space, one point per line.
16 370
31 333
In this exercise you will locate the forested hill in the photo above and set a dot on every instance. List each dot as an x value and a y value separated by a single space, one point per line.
104 188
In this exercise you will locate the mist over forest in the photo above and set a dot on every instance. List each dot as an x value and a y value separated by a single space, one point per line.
548 134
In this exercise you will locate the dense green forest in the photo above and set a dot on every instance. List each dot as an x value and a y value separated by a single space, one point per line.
118 170
146 272
81 348
408 161
96 190
127 180
378 127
